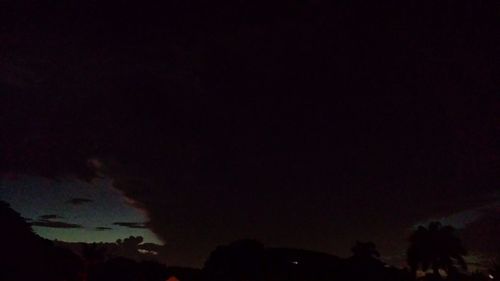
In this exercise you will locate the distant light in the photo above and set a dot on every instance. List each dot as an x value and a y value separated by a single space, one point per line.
147 252
295 262
491 276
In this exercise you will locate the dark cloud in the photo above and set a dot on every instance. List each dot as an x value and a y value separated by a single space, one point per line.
52 220
270 123
102 228
131 224
79 201
50 217
482 235
55 224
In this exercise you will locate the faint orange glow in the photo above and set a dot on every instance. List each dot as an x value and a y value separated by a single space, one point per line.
172 278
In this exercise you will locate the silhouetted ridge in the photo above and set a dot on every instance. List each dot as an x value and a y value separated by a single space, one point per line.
26 256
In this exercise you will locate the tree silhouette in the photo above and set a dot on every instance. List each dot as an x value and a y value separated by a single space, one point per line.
365 264
365 250
240 260
93 253
436 247
26 256
17 240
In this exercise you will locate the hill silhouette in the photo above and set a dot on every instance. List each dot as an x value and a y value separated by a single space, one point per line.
26 256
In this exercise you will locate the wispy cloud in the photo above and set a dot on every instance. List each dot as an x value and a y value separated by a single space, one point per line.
51 220
131 224
55 224
50 217
102 228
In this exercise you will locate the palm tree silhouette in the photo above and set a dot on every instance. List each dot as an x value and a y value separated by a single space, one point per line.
436 247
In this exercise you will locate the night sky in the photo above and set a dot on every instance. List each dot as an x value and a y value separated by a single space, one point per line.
302 124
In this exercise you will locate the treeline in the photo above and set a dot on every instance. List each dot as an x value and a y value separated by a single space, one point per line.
434 249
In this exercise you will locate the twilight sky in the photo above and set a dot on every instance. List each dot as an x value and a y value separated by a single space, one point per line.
298 123
91 212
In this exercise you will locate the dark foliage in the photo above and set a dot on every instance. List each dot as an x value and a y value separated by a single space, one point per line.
124 269
26 256
241 260
250 260
436 247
